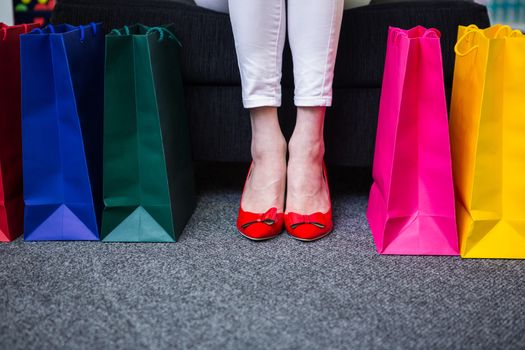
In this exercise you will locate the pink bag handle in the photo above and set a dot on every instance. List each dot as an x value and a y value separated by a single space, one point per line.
398 33
429 33
432 33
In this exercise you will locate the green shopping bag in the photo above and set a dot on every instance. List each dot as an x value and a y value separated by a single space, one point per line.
148 175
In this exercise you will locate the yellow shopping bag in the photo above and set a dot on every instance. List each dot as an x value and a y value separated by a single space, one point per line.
487 126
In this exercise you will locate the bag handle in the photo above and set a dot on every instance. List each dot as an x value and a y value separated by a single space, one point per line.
398 35
510 33
4 31
82 31
163 31
116 31
500 30
471 29
429 33
432 33
41 31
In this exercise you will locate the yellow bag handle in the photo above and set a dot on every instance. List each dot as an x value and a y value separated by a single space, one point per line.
471 29
500 30
510 33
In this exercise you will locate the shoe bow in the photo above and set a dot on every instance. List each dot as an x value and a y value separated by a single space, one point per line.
267 218
315 219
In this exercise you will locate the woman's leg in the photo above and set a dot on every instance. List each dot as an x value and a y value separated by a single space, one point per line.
259 31
313 31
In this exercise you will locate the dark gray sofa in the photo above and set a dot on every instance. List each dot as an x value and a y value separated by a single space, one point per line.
220 126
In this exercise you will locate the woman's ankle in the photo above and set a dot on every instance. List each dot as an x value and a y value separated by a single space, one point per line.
306 149
268 142
269 149
307 141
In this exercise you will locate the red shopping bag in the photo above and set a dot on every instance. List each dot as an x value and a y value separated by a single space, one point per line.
11 198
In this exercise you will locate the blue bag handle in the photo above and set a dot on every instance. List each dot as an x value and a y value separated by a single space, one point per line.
93 26
41 31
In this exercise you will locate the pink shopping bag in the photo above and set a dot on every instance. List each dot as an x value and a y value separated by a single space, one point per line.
411 206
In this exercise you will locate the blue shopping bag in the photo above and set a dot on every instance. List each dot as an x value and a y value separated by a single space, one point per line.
62 109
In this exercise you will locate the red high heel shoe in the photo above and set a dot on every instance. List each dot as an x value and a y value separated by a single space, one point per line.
310 227
259 226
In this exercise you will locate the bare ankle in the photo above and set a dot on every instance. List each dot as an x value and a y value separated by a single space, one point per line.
307 142
268 142
306 149
269 149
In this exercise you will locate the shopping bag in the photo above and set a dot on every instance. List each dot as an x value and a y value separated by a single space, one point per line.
62 111
487 130
11 196
411 205
148 174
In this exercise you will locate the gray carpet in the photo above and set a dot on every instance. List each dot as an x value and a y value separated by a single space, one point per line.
217 290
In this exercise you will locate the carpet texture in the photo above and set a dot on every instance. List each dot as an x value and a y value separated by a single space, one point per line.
216 290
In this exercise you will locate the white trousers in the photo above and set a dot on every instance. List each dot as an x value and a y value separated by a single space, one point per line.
259 29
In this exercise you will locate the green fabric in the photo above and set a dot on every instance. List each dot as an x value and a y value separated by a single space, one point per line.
148 175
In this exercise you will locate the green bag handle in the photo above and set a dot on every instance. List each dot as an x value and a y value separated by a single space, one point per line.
116 31
161 30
